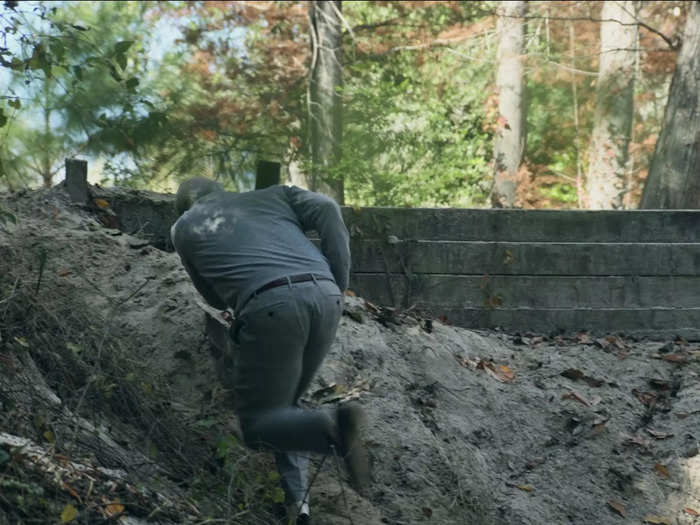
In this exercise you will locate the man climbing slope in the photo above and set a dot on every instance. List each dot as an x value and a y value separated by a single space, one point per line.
248 251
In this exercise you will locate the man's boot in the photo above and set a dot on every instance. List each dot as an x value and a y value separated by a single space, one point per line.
350 419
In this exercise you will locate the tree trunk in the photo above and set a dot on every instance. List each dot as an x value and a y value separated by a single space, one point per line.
510 136
674 175
325 117
605 179
46 175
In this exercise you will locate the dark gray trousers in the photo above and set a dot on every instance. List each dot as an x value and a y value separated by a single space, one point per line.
281 338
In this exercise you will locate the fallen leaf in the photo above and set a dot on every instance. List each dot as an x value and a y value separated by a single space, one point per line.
22 342
576 375
618 507
658 434
645 397
659 384
72 491
573 374
661 470
114 509
48 436
526 488
76 349
466 362
599 428
63 272
578 397
583 338
500 373
635 440
341 393
101 203
690 511
616 341
505 372
675 358
657 520
69 514
534 463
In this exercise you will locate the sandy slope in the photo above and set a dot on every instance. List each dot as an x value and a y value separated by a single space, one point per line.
465 427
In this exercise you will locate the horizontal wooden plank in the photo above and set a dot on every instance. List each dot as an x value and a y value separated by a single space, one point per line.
525 225
655 323
508 291
478 258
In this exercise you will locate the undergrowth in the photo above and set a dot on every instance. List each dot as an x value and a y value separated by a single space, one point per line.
49 334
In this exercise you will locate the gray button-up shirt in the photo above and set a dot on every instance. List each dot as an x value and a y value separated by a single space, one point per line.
231 244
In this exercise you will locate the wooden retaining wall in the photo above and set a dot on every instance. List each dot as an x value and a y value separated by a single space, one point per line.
534 270
519 270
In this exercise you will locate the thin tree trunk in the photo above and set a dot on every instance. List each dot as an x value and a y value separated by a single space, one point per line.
574 93
325 110
46 174
605 179
510 137
674 175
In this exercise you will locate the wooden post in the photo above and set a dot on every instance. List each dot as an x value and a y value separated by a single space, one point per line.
76 180
267 174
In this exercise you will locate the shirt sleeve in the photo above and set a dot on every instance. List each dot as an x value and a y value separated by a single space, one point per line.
206 291
202 286
321 213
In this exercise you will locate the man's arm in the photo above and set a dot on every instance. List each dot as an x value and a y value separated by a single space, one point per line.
206 291
321 213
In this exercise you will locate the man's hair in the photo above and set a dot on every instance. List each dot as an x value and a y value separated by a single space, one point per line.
192 190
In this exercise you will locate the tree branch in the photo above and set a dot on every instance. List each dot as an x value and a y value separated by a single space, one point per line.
673 45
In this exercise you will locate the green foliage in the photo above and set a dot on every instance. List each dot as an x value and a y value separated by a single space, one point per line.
561 192
419 108
415 124
6 217
62 76
255 486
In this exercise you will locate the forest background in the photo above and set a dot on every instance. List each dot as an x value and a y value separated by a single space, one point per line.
459 104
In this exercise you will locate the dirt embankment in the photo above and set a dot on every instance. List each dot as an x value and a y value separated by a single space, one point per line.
110 410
